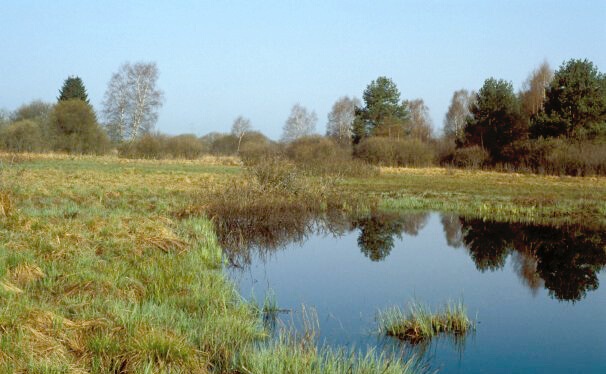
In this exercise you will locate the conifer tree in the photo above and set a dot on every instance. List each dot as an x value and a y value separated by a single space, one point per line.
73 88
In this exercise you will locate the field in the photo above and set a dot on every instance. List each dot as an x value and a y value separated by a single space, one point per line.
101 272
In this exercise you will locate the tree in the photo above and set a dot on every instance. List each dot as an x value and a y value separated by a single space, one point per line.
458 112
4 117
341 119
73 88
533 92
76 129
240 127
383 114
495 122
299 123
575 105
132 101
419 124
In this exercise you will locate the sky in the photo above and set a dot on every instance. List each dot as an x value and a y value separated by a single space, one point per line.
221 59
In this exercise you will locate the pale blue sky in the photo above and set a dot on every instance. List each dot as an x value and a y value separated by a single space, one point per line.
221 59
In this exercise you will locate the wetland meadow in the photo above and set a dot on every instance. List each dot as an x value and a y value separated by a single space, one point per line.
115 265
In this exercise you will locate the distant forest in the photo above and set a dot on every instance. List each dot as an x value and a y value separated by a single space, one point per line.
556 124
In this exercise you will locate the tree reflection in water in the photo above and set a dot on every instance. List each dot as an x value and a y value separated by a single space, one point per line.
377 232
565 260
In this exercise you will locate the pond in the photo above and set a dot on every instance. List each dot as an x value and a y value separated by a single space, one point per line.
533 290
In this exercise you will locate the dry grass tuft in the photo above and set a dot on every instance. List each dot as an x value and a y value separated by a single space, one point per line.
163 238
9 287
24 273
167 244
6 204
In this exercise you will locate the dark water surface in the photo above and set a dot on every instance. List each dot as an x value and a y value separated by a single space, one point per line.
534 289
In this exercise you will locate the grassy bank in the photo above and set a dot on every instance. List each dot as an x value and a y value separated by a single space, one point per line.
100 273
490 195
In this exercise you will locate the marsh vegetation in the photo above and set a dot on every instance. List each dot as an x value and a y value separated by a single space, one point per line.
113 264
419 323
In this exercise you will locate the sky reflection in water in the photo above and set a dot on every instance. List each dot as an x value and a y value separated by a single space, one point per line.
535 289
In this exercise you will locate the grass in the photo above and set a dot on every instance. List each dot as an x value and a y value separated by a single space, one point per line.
507 197
100 273
111 265
420 324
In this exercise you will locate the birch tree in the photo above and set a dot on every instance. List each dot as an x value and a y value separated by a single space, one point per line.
132 101
341 118
240 127
300 123
534 90
419 121
458 111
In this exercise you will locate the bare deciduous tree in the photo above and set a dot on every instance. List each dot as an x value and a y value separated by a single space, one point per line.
341 118
458 111
533 90
240 127
300 123
131 103
419 120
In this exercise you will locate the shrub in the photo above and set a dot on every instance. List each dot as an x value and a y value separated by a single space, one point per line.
560 157
76 130
159 146
186 146
22 136
395 152
37 111
323 156
312 149
473 157
150 146
275 174
444 149
576 159
224 145
252 153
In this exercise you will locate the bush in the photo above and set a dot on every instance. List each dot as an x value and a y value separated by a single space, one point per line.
444 149
22 136
37 111
313 149
149 146
224 145
473 157
186 146
252 153
395 152
576 159
560 157
159 146
76 130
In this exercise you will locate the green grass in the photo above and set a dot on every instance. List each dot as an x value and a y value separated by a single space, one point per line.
99 273
489 195
420 324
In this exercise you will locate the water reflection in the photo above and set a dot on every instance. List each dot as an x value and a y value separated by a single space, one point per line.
564 260
377 232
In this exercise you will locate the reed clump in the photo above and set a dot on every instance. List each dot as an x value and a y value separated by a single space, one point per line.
420 323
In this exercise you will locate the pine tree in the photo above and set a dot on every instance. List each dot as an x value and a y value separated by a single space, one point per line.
73 88
383 114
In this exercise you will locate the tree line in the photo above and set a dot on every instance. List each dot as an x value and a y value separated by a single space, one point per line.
555 123
130 110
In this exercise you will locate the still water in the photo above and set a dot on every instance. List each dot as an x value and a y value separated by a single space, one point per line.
533 290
